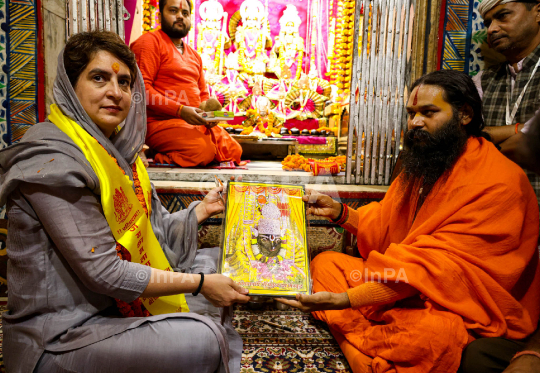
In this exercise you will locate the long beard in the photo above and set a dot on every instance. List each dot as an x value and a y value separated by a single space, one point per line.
428 156
172 32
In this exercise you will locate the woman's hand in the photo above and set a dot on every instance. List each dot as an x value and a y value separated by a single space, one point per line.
321 205
192 116
221 291
318 302
211 205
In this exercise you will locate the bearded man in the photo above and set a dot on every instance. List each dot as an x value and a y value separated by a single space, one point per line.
447 256
175 89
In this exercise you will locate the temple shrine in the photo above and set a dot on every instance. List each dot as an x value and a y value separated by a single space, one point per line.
283 69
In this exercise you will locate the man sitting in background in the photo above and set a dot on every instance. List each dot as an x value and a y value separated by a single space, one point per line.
175 85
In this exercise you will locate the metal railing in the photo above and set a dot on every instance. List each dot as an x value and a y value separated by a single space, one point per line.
88 15
381 66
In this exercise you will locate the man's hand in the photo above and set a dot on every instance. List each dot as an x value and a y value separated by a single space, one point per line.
221 291
318 302
524 364
192 116
500 134
321 205
211 205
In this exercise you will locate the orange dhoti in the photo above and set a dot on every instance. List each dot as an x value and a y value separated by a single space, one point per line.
398 337
175 141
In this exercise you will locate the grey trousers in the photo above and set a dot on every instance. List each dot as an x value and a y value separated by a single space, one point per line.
168 345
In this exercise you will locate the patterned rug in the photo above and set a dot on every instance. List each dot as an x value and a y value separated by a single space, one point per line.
310 348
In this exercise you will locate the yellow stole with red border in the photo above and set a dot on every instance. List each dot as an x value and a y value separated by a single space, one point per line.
125 215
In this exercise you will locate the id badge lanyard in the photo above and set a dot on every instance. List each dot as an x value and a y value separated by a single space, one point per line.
511 115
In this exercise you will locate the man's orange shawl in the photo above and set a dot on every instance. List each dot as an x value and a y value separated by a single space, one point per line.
471 252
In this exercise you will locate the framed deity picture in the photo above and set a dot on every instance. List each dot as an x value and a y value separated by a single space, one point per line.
264 247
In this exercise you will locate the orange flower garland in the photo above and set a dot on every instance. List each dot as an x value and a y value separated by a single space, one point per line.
300 163
341 160
342 55
296 163
150 10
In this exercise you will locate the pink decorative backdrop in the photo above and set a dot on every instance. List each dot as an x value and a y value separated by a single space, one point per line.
131 6
275 11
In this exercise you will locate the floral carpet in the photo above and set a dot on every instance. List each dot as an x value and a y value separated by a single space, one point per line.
308 348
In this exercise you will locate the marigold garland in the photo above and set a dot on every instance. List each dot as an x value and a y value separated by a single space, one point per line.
150 11
300 163
296 163
342 55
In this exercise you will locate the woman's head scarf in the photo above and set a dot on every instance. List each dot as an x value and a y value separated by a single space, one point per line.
124 145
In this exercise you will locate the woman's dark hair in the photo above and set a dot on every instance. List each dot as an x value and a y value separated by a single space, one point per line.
81 48
461 93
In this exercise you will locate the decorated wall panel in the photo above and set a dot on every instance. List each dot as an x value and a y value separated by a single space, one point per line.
457 28
3 74
464 37
478 41
20 88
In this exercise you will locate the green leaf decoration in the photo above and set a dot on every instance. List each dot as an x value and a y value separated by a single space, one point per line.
479 37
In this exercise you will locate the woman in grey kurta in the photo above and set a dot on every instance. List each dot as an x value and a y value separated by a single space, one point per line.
63 271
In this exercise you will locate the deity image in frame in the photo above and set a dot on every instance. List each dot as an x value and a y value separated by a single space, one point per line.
264 245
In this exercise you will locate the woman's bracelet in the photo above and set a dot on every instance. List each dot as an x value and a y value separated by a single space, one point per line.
517 128
200 285
179 112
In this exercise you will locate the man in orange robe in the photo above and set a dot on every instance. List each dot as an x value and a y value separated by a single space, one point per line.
175 88
449 255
